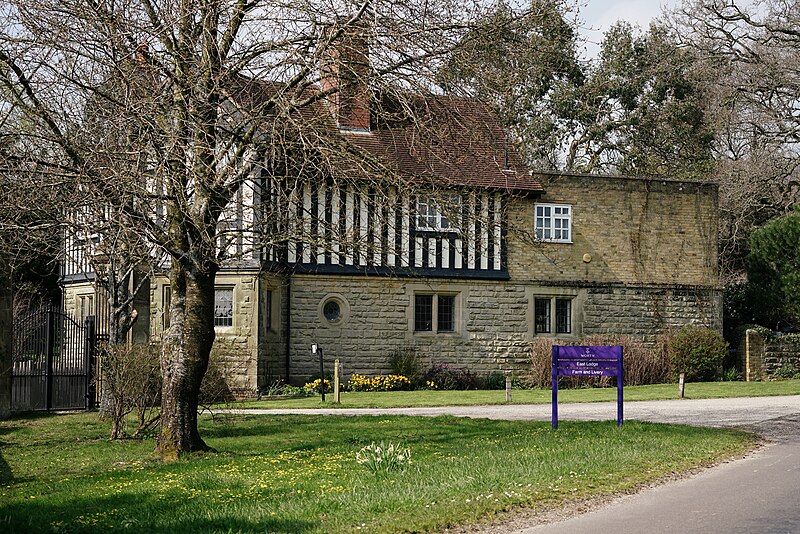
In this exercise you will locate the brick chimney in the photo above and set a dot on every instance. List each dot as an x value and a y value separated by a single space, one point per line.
345 67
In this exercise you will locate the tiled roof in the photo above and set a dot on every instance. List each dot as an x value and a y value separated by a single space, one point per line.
438 140
453 141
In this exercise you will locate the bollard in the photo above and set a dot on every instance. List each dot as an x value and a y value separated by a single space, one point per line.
508 388
681 384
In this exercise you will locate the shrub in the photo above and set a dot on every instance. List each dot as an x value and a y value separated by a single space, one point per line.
698 352
406 362
772 271
280 388
131 383
540 372
215 387
642 364
494 380
787 370
731 374
443 377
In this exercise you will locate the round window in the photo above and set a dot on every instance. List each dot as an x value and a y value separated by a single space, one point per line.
332 311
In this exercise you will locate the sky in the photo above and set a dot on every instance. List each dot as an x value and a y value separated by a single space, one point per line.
599 15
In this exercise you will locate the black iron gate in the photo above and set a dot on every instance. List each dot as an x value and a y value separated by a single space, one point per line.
53 358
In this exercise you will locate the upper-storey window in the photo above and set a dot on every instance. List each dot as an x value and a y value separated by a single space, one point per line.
554 222
438 214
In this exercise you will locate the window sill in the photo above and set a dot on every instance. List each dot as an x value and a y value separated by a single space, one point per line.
449 232
556 336
556 241
428 333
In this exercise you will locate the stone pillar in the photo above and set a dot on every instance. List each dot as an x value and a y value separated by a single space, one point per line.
754 354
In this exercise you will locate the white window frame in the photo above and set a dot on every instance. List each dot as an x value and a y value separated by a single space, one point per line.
85 307
433 213
550 218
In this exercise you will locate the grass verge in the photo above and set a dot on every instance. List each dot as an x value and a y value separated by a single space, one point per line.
398 399
299 474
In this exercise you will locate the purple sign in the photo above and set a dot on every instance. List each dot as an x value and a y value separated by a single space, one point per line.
589 353
587 361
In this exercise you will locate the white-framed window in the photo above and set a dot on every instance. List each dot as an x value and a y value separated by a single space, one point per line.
435 312
432 215
552 315
85 308
554 223
223 306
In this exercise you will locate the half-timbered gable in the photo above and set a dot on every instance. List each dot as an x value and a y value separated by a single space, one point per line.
439 208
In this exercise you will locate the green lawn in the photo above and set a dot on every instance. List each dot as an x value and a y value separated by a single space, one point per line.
395 399
299 474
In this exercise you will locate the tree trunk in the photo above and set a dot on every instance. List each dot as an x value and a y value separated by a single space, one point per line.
184 360
6 323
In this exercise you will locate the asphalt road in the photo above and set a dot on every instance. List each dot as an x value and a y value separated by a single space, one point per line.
757 494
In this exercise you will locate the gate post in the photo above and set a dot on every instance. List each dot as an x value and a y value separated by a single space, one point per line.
50 340
89 347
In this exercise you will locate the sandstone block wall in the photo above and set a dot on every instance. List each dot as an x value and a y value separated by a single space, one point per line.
645 312
494 323
491 332
273 333
635 231
236 347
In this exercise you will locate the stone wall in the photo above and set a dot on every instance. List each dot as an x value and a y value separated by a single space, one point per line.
490 335
782 357
236 347
273 332
632 231
494 326
768 356
644 312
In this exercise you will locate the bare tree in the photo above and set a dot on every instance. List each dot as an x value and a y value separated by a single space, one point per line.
197 97
5 339
750 57
25 232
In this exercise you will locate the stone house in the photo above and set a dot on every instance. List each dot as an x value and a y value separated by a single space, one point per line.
465 257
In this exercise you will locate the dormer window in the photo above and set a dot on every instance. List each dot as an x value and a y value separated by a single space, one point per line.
554 223
431 216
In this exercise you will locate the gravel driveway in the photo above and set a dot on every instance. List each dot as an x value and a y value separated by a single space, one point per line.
735 412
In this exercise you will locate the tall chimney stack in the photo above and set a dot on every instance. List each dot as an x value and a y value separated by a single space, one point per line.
345 69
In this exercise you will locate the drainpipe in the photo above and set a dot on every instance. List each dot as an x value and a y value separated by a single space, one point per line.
288 323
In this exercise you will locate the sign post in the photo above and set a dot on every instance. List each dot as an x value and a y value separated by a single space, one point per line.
587 361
